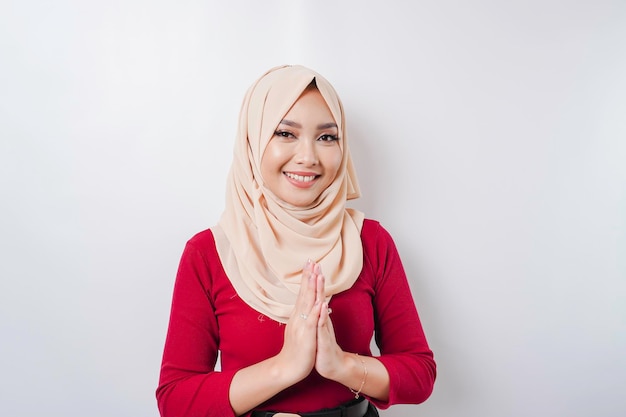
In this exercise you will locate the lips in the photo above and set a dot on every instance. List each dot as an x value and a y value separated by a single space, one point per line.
301 180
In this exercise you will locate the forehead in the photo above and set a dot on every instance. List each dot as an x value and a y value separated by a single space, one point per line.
310 106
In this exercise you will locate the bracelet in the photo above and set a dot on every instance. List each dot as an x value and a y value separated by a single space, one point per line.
357 393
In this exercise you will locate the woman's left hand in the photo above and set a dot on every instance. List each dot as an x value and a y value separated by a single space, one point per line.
364 375
329 360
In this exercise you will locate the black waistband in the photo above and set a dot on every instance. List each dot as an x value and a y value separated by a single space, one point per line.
356 408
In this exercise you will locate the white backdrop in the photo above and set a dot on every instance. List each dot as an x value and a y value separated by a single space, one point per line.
490 139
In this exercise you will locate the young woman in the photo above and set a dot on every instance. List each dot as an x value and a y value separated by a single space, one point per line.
290 286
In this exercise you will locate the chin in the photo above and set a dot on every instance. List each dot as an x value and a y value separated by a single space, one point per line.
299 203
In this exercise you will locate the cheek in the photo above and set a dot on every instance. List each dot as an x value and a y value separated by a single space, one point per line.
335 160
271 160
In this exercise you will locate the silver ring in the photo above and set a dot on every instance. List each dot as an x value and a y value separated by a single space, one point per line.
303 316
330 310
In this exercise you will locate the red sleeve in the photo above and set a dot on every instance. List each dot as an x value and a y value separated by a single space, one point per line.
189 385
399 334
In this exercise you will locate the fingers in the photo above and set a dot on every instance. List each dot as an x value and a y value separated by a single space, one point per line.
307 272
306 295
326 341
324 323
321 322
328 357
320 281
298 351
316 292
312 294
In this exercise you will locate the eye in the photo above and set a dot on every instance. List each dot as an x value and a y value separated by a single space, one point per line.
328 138
284 134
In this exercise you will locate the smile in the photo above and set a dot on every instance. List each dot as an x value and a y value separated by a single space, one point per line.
301 178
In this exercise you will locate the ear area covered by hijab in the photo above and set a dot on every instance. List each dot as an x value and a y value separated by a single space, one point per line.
262 241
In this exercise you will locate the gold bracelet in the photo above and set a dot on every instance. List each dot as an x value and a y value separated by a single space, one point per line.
356 393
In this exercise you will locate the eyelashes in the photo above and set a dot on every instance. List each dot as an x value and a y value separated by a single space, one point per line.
284 134
328 138
289 135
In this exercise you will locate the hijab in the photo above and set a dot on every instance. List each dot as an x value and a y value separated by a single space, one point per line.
264 242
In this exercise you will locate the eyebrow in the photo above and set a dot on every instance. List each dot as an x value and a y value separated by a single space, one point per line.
327 125
299 126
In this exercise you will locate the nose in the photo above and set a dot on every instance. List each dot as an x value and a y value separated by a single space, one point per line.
307 153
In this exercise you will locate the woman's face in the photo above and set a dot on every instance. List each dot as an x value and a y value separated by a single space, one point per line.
303 156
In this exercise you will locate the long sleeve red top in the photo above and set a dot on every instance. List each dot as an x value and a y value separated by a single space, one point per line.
208 320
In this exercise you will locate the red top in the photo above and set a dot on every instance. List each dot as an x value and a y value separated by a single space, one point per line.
208 318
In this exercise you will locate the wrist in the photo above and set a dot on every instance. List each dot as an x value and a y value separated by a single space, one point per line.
283 372
357 391
351 372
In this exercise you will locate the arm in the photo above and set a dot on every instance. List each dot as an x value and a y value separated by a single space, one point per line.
405 370
399 334
189 384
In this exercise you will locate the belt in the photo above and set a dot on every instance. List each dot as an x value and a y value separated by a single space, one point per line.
351 409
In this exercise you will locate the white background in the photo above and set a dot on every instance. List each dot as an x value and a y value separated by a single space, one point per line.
489 136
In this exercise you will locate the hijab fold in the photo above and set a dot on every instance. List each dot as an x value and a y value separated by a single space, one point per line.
264 242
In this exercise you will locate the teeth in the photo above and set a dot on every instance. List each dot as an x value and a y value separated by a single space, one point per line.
300 178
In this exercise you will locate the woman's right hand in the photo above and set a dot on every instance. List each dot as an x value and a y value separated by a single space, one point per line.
299 348
296 359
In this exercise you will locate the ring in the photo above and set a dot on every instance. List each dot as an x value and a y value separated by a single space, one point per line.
330 310
303 316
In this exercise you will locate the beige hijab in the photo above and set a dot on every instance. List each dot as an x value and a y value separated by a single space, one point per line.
264 242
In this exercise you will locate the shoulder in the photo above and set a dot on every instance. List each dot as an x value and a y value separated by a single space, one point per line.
372 231
200 258
202 238
377 242
202 243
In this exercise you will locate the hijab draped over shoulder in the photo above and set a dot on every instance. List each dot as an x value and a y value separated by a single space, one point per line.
264 242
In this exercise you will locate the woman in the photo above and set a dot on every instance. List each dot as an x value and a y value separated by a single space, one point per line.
291 285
